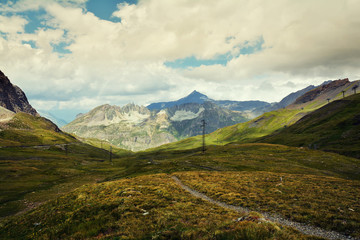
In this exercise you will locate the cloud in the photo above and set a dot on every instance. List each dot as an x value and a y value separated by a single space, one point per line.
302 43
12 25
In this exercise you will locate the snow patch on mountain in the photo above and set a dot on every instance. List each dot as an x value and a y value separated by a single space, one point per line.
132 117
182 115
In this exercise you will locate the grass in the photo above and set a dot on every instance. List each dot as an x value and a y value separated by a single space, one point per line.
243 132
327 202
147 207
33 175
331 127
254 157
25 129
105 145
52 189
334 127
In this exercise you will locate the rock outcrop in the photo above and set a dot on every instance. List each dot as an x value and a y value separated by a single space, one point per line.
13 98
322 90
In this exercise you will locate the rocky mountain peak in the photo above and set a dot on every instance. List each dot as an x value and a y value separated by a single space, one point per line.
196 97
13 98
193 97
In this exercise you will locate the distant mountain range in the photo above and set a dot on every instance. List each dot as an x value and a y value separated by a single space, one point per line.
137 128
58 121
194 97
250 107
325 128
133 127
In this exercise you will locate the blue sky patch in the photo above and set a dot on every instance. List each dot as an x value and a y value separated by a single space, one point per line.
195 62
35 19
104 9
252 48
61 47
223 59
3 35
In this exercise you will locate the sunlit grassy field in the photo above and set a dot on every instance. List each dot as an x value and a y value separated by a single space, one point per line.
327 202
45 185
147 207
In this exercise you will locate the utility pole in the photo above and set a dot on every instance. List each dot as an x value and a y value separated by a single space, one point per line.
354 88
110 153
203 123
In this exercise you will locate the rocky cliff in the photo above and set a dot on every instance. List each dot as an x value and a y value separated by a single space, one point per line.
13 98
329 90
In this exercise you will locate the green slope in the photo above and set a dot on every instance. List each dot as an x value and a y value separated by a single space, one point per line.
38 162
272 121
244 132
105 145
334 127
25 129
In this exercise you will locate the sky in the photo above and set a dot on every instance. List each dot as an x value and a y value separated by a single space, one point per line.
70 56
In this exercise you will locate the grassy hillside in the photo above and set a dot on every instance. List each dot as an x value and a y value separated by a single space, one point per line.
25 129
102 144
72 190
319 201
33 176
334 127
30 176
148 207
243 132
252 157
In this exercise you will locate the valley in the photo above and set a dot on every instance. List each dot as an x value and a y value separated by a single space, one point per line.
121 173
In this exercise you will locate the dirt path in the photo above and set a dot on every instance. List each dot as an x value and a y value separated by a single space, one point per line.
303 228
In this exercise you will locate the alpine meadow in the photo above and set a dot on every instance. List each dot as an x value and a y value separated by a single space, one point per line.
156 119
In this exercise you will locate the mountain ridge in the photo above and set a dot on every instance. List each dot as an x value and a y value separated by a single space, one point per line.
334 127
269 122
193 97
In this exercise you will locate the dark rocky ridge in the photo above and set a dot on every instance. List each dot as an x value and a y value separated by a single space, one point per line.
322 89
13 98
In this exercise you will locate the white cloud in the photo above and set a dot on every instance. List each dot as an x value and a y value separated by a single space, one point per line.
12 25
31 5
304 42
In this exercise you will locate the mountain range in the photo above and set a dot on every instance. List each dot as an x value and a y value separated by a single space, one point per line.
250 107
58 121
55 186
276 120
137 128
